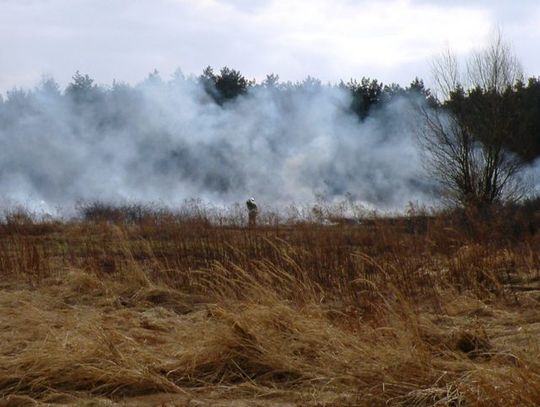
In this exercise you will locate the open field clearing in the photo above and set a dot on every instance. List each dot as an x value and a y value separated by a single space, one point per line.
165 312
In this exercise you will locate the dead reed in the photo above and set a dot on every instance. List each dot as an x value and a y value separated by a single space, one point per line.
159 308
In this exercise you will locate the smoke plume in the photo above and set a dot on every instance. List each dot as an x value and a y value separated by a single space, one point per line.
169 141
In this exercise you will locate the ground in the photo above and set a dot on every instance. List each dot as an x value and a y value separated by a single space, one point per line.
169 312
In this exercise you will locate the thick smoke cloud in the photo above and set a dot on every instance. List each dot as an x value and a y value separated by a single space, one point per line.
169 141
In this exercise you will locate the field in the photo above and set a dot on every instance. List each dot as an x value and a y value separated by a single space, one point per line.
169 310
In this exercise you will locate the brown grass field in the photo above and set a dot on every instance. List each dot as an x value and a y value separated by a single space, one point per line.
176 311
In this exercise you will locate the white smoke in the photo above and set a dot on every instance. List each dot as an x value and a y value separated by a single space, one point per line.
166 142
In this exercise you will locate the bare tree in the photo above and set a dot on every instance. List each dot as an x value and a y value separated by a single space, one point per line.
470 172
464 136
495 67
446 73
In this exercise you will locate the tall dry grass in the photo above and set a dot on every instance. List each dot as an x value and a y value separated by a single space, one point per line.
164 308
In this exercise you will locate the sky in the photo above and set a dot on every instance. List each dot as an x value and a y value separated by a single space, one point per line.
391 40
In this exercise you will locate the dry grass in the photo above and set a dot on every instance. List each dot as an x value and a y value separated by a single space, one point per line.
163 311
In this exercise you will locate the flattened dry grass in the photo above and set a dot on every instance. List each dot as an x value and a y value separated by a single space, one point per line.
172 313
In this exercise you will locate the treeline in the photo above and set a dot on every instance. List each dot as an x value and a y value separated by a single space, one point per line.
518 105
221 88
516 108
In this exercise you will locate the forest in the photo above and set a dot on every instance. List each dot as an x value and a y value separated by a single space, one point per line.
106 104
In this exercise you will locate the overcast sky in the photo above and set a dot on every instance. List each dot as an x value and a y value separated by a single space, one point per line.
391 40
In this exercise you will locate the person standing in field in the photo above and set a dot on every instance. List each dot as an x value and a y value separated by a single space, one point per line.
252 212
